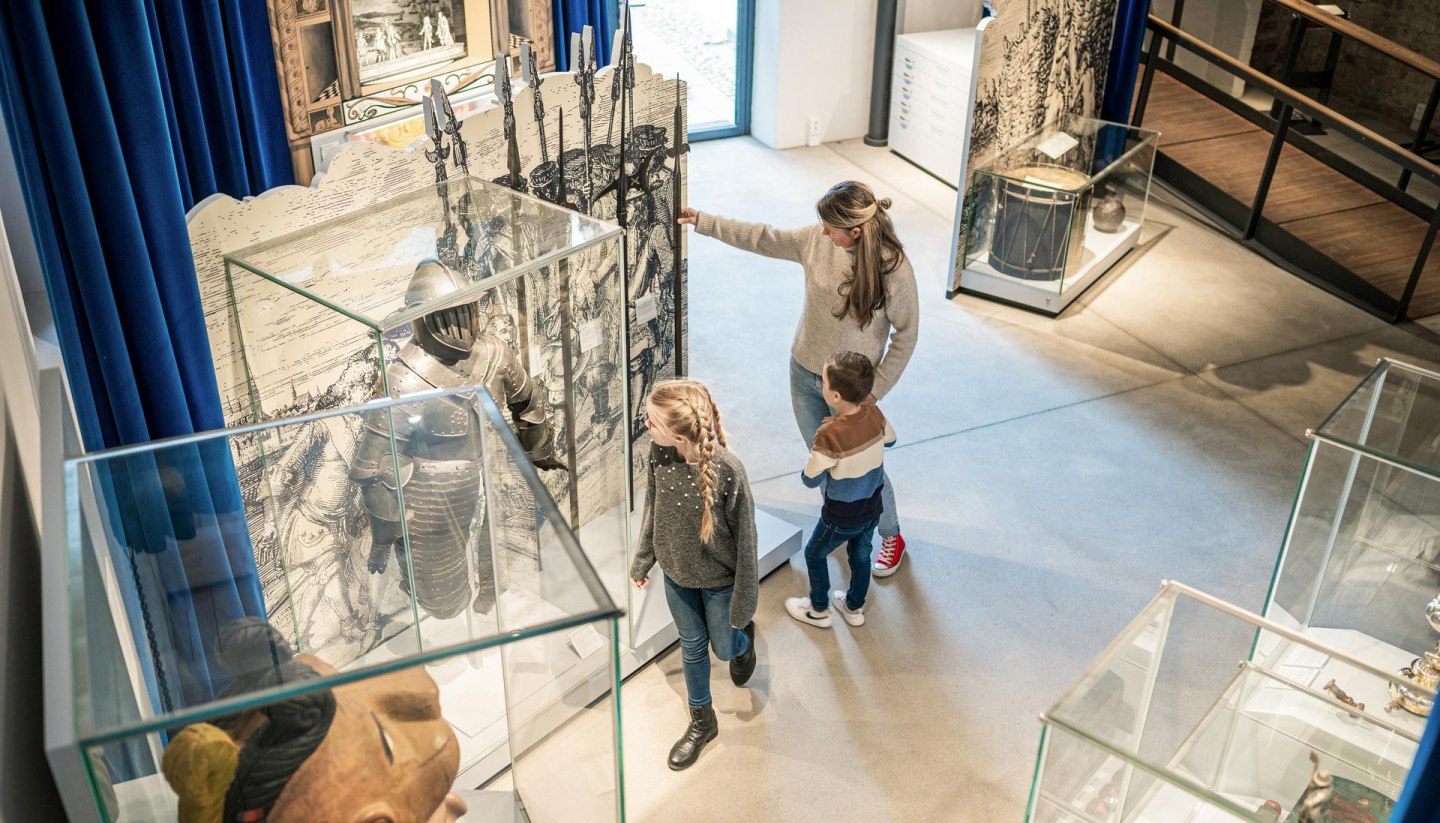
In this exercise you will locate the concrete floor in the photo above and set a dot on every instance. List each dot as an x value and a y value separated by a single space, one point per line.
1049 473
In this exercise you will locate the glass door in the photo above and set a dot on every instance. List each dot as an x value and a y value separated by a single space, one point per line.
709 44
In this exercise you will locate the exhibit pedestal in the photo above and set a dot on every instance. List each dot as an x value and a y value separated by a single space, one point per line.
1101 252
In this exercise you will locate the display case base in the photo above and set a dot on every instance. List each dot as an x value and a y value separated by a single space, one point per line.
1102 251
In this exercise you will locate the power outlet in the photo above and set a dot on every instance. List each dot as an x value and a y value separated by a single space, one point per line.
1419 113
812 131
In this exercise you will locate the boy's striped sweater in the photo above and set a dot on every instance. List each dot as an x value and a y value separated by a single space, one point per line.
848 461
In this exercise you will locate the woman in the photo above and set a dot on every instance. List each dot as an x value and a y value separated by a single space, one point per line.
859 294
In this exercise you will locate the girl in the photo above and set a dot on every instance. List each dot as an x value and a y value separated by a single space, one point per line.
699 524
859 291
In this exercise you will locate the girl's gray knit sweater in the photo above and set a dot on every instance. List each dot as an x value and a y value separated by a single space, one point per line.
670 530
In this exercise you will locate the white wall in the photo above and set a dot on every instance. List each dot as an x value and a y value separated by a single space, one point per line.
938 15
28 793
812 58
815 58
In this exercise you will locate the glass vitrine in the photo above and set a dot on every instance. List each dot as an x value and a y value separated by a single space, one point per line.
1178 721
461 283
481 639
1046 217
1360 565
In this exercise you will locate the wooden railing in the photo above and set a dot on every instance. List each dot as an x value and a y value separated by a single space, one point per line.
1292 101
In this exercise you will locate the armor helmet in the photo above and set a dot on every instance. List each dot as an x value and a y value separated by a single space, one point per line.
450 332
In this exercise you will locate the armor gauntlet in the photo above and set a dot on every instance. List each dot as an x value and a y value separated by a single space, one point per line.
527 410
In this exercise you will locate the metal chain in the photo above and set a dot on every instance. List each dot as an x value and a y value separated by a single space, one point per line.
160 679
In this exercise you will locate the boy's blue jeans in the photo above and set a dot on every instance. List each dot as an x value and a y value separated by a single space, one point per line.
824 540
807 398
703 617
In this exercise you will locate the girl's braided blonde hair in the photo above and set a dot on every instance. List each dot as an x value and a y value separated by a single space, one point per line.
686 409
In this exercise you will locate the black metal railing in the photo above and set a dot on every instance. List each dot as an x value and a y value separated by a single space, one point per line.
1292 102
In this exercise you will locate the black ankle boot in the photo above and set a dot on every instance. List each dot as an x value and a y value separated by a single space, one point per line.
703 729
742 666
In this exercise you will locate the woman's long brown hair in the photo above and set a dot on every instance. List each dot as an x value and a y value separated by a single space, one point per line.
852 205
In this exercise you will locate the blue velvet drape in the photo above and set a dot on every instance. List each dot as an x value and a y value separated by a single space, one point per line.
123 114
1124 59
574 16
1419 801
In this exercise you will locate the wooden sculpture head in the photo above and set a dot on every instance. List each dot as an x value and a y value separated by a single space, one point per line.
373 751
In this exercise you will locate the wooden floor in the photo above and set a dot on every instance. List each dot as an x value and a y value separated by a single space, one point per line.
1357 228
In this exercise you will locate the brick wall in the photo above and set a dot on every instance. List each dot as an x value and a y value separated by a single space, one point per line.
1364 77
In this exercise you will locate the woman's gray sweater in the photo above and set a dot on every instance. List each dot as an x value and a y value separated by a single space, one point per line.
888 340
670 530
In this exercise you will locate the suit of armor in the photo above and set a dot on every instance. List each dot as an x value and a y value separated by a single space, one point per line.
436 460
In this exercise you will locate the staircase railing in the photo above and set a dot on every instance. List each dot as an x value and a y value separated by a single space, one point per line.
1291 101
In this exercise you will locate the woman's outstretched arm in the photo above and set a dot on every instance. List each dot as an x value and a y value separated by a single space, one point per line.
782 244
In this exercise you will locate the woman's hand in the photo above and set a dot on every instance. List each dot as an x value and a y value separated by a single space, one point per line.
640 583
688 217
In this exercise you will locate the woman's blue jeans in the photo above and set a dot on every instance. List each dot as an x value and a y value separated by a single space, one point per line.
703 618
808 398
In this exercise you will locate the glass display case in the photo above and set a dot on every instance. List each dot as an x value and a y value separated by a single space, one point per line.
1360 566
196 700
1178 721
1045 218
462 283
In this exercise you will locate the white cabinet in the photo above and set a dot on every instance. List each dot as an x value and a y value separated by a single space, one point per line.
930 99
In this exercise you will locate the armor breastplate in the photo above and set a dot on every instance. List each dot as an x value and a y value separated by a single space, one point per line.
476 369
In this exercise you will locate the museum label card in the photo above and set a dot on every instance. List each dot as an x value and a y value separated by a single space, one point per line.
1057 145
589 335
646 309
585 641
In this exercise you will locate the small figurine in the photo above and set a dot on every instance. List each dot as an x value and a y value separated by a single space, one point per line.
1317 794
1343 697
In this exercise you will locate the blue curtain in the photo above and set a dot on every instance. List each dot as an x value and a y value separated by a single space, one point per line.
124 113
1419 801
572 16
1124 59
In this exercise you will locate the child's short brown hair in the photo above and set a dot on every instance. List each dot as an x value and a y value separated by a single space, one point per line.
851 374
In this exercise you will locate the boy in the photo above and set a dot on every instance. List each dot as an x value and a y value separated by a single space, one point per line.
847 462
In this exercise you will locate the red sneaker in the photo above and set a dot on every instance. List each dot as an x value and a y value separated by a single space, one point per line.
892 551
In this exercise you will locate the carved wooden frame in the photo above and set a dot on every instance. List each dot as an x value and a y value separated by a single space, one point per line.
305 117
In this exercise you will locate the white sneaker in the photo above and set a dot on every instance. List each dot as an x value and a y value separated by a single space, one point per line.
800 609
855 617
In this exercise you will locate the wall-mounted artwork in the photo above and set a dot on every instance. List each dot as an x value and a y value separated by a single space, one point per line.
399 37
1040 61
343 62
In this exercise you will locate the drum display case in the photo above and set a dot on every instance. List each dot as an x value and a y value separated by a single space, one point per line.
174 664
1359 568
1045 218
1178 721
